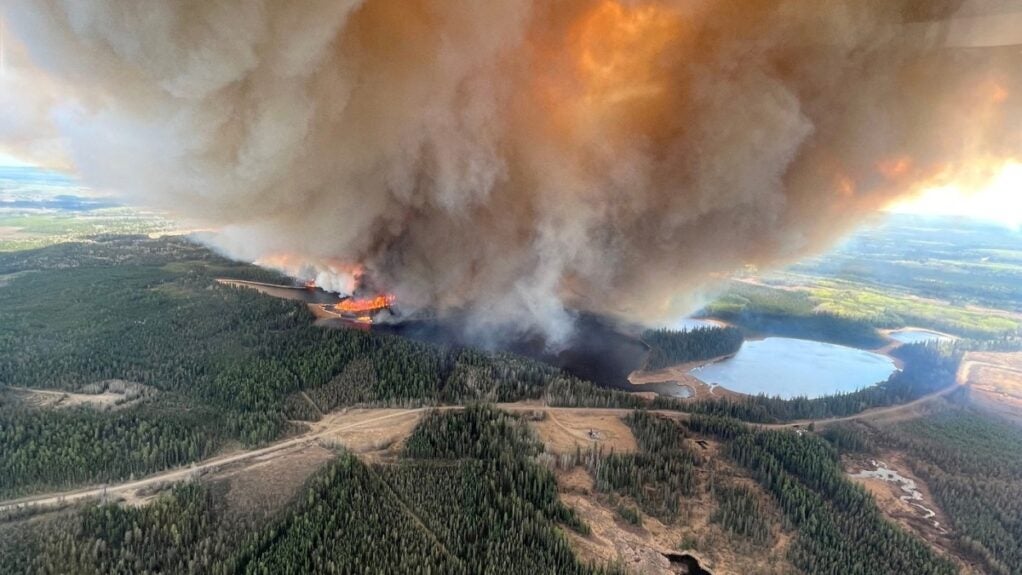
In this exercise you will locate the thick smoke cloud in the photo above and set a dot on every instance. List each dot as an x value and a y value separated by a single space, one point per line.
514 158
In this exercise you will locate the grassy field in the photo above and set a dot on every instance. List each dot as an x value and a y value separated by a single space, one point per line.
24 230
891 310
952 275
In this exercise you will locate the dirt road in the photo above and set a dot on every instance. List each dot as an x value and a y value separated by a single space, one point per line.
322 430
181 474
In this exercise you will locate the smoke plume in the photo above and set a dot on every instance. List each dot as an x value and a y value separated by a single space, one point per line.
517 158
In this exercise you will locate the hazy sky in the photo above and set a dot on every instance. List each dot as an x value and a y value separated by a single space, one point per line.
999 200
517 158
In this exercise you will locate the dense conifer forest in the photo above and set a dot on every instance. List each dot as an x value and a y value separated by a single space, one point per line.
469 494
659 476
840 530
972 463
469 498
742 513
669 347
769 311
151 312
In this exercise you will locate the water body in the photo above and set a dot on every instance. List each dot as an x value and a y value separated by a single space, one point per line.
691 323
669 388
785 367
910 336
912 495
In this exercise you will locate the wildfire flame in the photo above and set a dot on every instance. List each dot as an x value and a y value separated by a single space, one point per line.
366 305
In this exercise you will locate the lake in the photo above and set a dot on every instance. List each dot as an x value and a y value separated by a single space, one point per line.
691 323
910 336
785 367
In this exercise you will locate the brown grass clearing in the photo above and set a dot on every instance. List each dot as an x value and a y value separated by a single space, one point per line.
562 431
110 394
888 495
375 435
641 548
266 486
995 382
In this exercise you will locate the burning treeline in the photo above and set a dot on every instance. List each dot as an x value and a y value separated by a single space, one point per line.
516 157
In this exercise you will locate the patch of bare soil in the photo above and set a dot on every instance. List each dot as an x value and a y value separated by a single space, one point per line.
563 431
319 311
263 484
995 382
679 375
906 500
264 487
104 395
377 434
643 548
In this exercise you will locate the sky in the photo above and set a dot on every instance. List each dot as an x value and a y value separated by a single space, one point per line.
998 200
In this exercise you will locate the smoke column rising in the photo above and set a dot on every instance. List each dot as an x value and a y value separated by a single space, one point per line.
515 158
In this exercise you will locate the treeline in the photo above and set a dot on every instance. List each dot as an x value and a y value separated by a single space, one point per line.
55 449
972 463
150 312
840 529
183 531
670 347
567 391
778 312
928 367
741 512
469 500
657 477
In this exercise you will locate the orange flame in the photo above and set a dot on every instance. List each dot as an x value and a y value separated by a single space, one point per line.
367 305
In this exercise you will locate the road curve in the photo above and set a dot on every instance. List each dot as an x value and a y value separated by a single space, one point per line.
183 473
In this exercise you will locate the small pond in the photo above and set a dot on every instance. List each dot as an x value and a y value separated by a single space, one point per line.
691 323
786 367
909 336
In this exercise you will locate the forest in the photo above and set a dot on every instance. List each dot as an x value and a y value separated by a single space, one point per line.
840 530
228 366
972 463
150 312
466 498
769 311
741 512
669 347
659 476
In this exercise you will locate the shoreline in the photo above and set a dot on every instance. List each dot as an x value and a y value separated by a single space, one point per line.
679 375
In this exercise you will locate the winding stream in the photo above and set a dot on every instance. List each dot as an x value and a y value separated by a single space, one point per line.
912 495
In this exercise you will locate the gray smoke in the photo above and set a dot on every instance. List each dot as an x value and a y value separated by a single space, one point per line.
515 158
